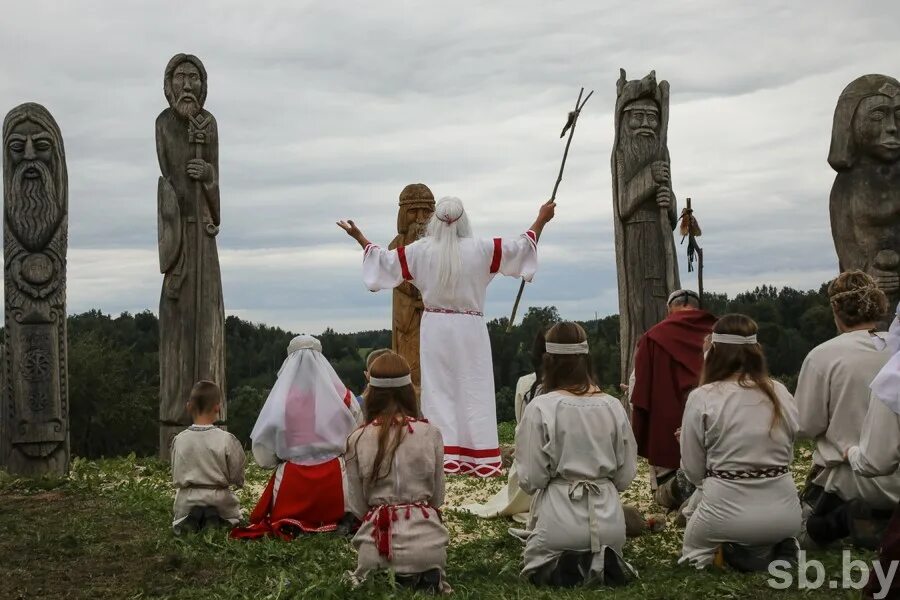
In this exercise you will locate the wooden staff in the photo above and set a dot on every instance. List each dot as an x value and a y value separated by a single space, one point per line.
690 229
571 121
197 136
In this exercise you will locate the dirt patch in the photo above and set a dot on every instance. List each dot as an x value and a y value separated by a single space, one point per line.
59 545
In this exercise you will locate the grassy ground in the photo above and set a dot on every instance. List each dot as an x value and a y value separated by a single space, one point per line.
103 533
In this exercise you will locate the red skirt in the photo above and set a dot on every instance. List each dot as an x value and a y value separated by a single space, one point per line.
888 552
310 499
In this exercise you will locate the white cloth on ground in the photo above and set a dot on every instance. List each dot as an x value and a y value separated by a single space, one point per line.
511 500
575 454
726 427
206 463
455 351
833 397
308 414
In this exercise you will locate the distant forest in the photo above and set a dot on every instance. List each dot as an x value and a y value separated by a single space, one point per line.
114 372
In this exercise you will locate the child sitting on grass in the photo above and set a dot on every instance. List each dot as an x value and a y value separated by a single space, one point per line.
206 462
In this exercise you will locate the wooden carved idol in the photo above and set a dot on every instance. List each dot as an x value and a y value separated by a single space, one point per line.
416 208
191 310
865 197
34 438
644 209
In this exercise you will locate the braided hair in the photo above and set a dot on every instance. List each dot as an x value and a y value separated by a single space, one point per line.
856 299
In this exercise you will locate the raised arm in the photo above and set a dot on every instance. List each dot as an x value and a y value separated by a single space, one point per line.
353 231
545 215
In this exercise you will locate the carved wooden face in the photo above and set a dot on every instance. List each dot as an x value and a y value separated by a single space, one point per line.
29 142
414 218
187 84
33 208
642 118
875 127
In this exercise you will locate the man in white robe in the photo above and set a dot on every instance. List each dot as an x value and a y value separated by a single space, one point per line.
452 269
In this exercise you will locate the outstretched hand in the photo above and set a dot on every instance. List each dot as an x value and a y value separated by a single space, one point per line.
353 231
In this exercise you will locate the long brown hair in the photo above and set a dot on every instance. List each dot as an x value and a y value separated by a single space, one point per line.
387 408
747 361
572 373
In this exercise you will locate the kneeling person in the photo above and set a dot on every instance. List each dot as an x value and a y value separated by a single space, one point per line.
833 398
575 452
395 478
206 462
737 439
300 432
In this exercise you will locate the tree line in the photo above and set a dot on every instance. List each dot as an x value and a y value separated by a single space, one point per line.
114 361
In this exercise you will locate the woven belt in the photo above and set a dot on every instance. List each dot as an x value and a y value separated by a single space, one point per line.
767 473
450 311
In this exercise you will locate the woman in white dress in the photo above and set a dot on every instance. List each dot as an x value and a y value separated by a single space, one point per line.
575 453
737 441
452 269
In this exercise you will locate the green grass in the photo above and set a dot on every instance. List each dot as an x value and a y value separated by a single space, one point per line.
103 533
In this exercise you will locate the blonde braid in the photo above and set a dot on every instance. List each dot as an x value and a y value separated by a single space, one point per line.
856 299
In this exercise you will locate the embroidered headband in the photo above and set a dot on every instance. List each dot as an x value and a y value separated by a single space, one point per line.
579 348
390 382
727 338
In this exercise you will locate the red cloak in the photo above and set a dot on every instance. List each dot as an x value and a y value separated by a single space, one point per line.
311 499
667 367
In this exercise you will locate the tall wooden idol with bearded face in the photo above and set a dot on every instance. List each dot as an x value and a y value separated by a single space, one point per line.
416 208
191 310
865 197
643 208
34 428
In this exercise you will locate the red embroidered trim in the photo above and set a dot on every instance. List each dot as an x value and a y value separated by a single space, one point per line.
471 452
450 311
404 267
532 236
498 254
455 467
347 398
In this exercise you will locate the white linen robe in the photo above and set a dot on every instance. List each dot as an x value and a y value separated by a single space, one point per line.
418 538
511 501
726 427
878 453
206 462
833 398
455 350
575 454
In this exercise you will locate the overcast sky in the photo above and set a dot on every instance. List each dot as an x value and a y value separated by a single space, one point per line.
327 109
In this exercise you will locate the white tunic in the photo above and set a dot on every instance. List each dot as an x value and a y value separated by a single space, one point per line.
575 454
206 462
455 351
833 398
878 452
511 501
726 427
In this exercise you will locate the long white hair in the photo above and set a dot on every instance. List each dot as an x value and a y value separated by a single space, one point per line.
448 223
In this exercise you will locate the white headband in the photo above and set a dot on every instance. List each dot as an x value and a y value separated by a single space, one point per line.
579 348
727 338
390 382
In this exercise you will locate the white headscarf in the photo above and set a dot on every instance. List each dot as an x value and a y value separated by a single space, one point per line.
306 418
886 384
